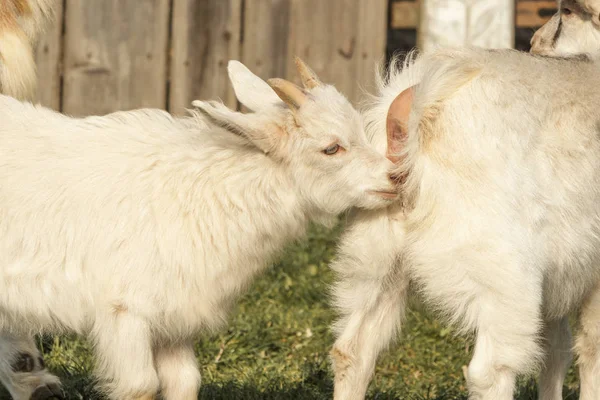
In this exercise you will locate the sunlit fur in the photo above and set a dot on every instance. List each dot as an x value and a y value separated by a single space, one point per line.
21 24
499 226
140 230
573 30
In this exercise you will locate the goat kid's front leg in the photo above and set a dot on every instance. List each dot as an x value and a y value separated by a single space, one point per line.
370 294
124 351
178 371
557 343
22 370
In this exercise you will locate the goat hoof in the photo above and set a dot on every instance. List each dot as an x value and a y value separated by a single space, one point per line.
51 391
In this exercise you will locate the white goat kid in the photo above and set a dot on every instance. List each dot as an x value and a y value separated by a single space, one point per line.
139 230
573 30
499 226
22 369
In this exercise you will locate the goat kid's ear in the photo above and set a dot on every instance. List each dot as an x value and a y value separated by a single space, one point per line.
249 89
252 127
397 124
291 94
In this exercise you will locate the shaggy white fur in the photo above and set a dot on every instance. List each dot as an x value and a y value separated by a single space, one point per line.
499 227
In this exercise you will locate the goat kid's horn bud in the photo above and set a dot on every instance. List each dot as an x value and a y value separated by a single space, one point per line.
307 75
291 94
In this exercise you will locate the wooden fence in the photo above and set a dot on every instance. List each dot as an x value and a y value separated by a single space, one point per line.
105 55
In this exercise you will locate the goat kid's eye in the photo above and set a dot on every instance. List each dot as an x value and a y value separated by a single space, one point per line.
566 11
331 150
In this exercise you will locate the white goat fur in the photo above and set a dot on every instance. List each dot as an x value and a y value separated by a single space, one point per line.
499 227
140 230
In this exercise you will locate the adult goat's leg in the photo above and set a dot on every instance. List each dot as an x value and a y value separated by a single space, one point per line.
22 370
124 352
508 323
370 295
178 371
557 344
587 346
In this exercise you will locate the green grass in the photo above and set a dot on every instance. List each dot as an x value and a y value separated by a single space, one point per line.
277 343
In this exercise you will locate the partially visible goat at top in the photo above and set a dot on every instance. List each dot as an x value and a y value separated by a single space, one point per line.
573 30
498 157
140 230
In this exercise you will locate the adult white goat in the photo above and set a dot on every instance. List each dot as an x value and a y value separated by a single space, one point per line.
22 22
573 30
139 229
499 226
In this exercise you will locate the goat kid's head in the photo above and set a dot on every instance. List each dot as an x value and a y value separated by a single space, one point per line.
573 30
313 132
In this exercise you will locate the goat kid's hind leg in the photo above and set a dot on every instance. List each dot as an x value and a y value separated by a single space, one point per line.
178 371
124 353
557 343
22 370
370 294
587 347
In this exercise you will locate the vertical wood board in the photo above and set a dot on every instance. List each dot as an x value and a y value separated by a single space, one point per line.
115 55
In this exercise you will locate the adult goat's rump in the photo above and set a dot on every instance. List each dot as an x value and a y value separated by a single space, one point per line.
499 225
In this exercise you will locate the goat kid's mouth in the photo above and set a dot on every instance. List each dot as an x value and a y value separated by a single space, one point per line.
386 194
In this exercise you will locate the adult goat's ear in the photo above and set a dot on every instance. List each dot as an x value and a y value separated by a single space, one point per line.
253 127
291 94
249 89
397 124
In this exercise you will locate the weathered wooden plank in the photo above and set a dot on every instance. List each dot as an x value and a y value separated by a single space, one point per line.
206 35
480 23
48 61
115 55
371 45
405 14
532 14
265 37
340 40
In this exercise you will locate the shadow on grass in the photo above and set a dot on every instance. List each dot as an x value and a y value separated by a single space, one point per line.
317 385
